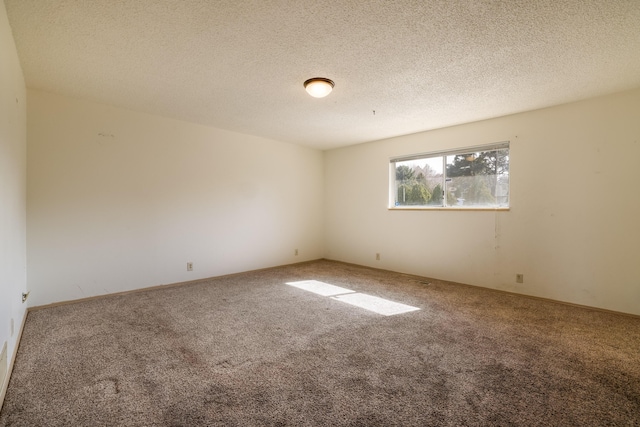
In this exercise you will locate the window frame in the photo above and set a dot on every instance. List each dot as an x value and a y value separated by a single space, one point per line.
444 154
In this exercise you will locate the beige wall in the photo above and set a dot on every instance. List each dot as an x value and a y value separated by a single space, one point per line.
128 209
573 229
119 200
13 143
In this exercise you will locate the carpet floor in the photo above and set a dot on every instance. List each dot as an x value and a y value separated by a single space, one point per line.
249 350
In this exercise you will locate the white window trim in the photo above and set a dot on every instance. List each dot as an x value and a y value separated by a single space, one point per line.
443 154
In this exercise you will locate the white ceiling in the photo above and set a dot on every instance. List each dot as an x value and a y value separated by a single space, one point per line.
239 65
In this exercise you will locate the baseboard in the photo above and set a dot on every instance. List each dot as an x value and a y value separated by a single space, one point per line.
424 278
5 385
417 277
165 286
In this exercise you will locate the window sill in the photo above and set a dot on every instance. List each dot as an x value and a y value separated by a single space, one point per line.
447 208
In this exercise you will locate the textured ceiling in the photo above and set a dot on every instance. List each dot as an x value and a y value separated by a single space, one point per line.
239 65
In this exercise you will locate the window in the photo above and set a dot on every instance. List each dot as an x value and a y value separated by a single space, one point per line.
475 178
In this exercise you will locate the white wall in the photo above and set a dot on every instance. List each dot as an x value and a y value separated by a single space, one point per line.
13 143
574 225
119 200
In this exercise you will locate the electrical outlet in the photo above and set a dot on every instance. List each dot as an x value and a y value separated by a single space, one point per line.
519 278
296 252
377 257
189 266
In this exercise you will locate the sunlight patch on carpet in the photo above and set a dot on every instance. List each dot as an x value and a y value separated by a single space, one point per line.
375 304
320 288
368 302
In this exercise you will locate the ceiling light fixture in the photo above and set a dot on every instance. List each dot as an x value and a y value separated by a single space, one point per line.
318 87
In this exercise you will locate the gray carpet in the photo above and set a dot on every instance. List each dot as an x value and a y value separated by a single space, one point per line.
248 350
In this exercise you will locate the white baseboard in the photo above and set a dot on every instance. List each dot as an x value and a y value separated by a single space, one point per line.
5 383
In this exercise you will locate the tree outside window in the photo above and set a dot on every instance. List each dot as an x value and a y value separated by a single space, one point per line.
476 177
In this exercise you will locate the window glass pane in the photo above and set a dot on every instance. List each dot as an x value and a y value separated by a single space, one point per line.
475 177
478 179
419 182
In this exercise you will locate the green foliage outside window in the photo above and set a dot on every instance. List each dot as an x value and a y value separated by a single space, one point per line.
459 179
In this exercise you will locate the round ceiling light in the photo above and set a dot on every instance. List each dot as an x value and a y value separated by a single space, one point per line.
318 87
